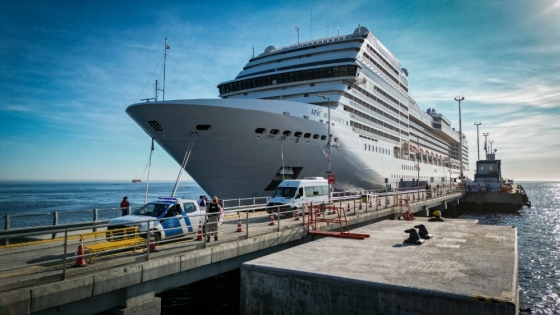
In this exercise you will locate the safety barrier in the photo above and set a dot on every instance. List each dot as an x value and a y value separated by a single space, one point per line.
58 254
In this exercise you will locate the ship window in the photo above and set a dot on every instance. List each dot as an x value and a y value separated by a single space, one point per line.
323 137
335 71
315 136
260 130
286 133
316 74
203 127
305 95
343 71
365 146
274 131
307 135
297 134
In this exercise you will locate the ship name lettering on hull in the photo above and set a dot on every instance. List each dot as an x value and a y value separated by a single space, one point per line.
319 113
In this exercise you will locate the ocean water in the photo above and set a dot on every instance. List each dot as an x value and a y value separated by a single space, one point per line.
538 233
538 230
21 198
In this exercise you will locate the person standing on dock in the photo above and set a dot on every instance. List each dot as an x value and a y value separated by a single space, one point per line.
125 206
214 211
202 202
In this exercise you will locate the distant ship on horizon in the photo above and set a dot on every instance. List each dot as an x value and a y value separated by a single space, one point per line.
272 123
136 180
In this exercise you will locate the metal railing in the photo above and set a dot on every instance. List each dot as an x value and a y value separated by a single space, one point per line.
239 223
14 223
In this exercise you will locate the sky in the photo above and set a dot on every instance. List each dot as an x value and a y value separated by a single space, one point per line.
69 69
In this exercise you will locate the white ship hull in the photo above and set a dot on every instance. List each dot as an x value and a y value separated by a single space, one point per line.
231 160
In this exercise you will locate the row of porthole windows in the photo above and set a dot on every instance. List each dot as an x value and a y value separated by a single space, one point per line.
372 148
408 168
288 133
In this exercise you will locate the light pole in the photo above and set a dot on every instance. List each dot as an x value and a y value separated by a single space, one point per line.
297 30
486 134
477 145
491 143
459 99
328 130
418 161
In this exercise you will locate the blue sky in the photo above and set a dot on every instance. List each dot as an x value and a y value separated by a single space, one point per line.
69 69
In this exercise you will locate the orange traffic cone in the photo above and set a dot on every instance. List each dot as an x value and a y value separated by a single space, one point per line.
199 236
152 242
348 208
388 201
360 207
80 260
271 219
297 215
239 228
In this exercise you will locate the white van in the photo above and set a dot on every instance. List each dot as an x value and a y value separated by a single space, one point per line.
292 194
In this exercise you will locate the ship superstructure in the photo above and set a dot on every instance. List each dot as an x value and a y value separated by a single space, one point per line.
271 123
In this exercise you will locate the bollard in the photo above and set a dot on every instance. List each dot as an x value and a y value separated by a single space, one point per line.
55 222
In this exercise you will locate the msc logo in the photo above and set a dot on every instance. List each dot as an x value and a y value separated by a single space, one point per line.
155 125
316 112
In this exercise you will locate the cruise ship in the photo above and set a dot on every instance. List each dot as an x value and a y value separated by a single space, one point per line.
272 123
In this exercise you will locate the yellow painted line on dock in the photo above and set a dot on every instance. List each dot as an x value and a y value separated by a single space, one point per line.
482 298
31 243
25 271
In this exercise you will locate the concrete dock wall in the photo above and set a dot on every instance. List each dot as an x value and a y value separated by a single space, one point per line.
275 291
464 269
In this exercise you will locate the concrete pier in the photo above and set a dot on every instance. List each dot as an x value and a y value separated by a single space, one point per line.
465 268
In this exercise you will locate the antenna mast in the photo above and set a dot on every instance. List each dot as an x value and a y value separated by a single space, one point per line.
165 48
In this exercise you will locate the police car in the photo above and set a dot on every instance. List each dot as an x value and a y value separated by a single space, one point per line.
168 217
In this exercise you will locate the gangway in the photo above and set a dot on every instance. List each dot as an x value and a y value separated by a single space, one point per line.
316 214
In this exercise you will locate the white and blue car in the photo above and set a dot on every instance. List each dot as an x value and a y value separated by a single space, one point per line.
167 217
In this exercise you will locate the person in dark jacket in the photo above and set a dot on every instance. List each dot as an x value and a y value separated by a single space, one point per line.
125 206
213 210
